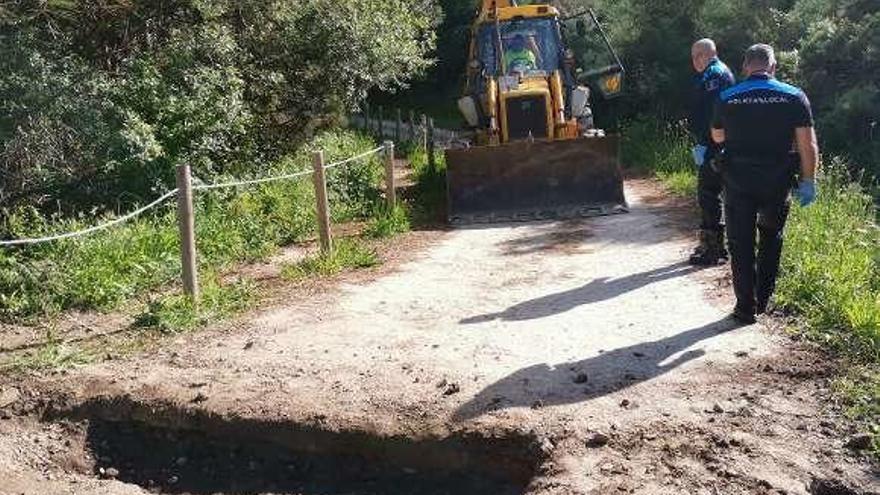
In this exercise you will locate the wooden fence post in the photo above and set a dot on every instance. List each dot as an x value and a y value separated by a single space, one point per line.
186 221
322 206
429 142
412 126
398 128
390 187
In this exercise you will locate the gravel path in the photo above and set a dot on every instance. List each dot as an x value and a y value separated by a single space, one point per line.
592 335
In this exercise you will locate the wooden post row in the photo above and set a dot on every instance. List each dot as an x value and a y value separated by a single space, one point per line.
186 222
398 127
322 206
412 126
390 187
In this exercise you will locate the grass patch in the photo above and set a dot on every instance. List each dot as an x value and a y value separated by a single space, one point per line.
175 313
388 222
831 266
680 182
105 269
347 254
54 355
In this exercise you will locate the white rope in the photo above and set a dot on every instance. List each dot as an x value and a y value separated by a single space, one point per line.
354 158
80 233
198 187
205 187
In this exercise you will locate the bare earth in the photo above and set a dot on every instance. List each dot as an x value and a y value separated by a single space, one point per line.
579 357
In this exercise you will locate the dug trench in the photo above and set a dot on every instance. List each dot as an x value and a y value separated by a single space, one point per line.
164 448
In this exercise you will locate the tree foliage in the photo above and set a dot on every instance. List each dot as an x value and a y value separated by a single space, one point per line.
102 96
829 47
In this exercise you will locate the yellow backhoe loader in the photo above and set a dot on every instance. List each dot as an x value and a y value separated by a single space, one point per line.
535 153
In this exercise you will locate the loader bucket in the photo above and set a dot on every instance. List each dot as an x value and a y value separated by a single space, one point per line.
524 181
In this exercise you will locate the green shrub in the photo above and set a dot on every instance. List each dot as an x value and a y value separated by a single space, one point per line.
99 101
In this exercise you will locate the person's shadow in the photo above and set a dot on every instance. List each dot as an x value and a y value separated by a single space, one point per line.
600 289
567 383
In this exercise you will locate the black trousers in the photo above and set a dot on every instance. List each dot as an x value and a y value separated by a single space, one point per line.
754 273
709 188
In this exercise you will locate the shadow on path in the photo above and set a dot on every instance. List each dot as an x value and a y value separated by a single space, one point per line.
596 290
569 383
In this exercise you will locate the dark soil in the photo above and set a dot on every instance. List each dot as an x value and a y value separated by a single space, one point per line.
189 462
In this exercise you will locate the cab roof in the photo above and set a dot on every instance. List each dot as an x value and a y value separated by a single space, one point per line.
523 12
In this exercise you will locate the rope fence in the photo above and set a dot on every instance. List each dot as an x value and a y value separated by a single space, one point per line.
96 228
184 191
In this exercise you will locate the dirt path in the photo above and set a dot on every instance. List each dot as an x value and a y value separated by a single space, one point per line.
574 357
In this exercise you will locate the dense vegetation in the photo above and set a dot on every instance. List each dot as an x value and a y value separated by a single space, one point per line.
100 100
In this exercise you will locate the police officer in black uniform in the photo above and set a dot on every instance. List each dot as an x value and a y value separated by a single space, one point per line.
712 78
766 128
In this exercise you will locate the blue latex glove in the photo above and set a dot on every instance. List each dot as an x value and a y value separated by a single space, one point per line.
699 152
806 192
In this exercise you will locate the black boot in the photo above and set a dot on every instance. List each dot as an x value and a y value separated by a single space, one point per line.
711 250
744 314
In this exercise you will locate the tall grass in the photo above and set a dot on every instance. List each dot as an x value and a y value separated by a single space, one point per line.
651 146
831 266
106 269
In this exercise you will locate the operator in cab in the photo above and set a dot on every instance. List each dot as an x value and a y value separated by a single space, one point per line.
711 79
766 129
518 56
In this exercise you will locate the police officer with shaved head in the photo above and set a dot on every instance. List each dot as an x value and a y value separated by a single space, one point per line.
766 129
712 78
